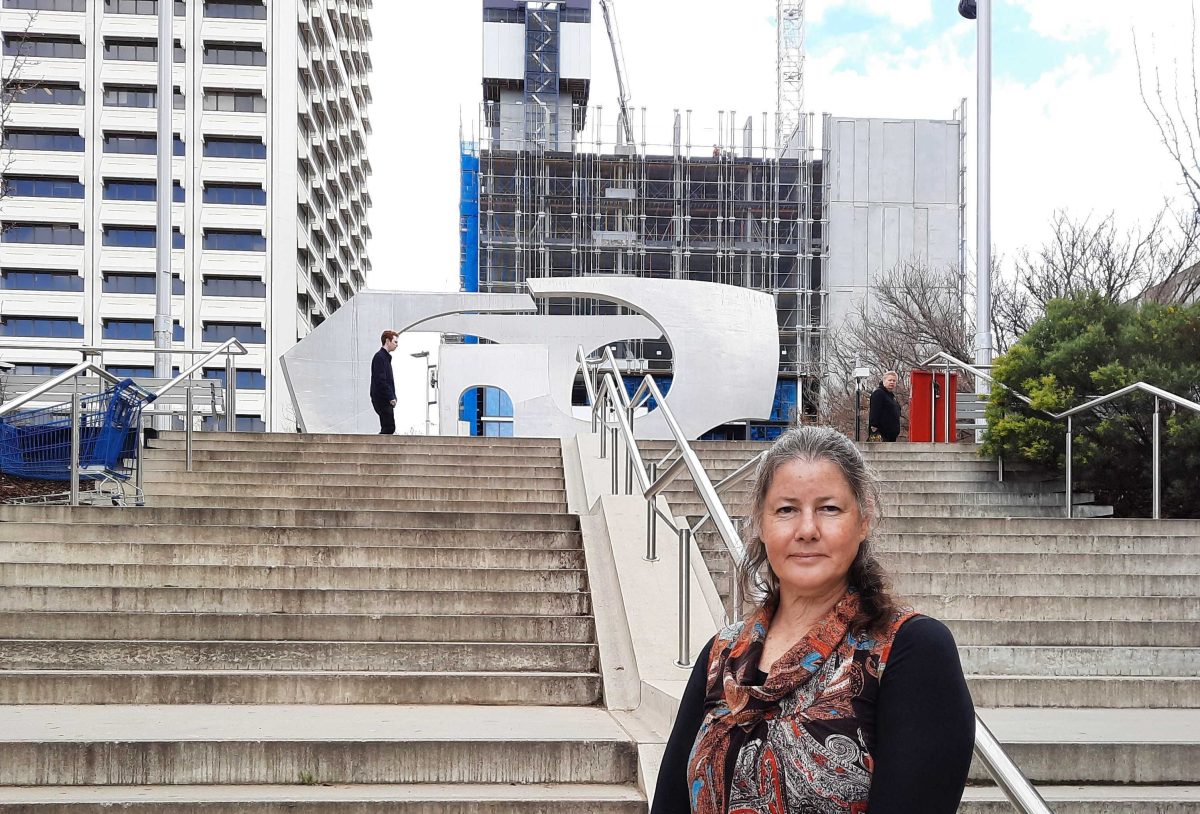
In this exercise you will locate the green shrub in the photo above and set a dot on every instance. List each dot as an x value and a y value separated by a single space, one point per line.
1088 346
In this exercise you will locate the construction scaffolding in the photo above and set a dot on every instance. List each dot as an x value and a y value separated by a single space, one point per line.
709 204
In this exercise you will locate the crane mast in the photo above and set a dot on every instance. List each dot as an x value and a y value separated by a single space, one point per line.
614 40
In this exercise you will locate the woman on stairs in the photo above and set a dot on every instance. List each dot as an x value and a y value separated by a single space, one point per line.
830 696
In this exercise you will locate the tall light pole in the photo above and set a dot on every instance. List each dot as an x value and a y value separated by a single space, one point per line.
165 195
981 12
428 383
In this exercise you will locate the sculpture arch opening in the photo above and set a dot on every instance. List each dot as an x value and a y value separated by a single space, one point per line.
486 411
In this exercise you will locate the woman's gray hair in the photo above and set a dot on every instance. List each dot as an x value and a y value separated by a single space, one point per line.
758 581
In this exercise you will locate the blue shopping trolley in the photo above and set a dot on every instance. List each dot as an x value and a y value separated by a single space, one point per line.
37 443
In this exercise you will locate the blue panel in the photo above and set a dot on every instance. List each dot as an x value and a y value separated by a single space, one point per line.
468 223
764 432
786 398
632 383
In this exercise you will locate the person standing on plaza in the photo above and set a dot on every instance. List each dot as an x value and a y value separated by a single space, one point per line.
884 415
383 384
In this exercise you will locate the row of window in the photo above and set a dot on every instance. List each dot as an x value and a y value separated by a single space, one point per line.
19 186
228 9
63 93
128 283
131 237
128 330
137 144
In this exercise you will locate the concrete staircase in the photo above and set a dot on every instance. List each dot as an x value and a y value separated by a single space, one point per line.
309 623
1080 638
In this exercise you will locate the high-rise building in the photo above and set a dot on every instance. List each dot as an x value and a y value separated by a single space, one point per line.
551 187
270 168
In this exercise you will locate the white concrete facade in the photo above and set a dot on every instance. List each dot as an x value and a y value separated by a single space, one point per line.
298 236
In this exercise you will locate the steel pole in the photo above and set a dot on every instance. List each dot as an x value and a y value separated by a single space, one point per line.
651 520
187 428
139 450
616 463
946 402
983 249
165 192
230 395
685 596
1157 477
76 416
1069 501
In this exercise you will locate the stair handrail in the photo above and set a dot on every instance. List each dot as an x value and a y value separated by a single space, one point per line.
62 378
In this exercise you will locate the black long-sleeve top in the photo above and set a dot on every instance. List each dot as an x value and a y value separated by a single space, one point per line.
924 728
383 382
884 414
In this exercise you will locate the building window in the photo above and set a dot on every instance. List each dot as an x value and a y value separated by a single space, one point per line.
47 93
225 53
34 369
47 5
54 234
137 50
235 194
120 282
245 379
140 7
136 371
235 101
40 45
138 144
236 9
244 423
249 287
250 333
64 141
42 327
40 280
234 240
232 147
138 190
136 330
22 186
138 237
142 96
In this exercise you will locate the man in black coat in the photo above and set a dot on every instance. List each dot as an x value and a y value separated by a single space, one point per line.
884 416
383 384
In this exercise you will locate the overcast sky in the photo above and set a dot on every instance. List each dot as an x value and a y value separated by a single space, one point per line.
1070 131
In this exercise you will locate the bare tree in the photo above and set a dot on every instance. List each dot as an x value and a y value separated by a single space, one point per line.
1175 109
12 85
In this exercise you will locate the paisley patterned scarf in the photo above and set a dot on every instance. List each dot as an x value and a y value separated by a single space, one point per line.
800 742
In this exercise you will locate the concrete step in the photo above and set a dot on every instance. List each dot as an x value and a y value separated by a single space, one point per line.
1002 511
273 518
1039 563
180 745
1098 746
389 441
339 468
997 660
1091 800
334 556
353 445
385 490
421 626
1050 544
363 503
214 479
569 689
241 600
268 656
1058 584
286 577
476 459
694 508
1077 527
410 798
1075 692
425 537
1067 608
1053 633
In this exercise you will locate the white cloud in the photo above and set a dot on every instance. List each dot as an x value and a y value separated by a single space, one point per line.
904 13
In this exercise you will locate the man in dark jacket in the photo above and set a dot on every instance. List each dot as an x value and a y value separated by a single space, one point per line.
884 416
383 384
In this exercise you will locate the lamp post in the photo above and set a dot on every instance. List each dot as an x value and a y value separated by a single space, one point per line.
981 12
860 373
429 382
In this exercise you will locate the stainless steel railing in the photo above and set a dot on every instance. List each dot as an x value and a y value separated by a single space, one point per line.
1158 393
606 390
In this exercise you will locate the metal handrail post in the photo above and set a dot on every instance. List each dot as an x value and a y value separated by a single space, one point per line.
685 596
932 408
139 450
1016 787
187 430
651 520
230 395
616 463
629 457
1069 500
946 401
1156 502
76 433
603 428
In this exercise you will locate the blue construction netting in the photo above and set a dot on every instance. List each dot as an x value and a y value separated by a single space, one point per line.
37 443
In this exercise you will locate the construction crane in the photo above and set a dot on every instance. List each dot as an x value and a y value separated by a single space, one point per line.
614 39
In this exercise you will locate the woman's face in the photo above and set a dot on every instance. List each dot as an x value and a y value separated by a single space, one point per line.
812 528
